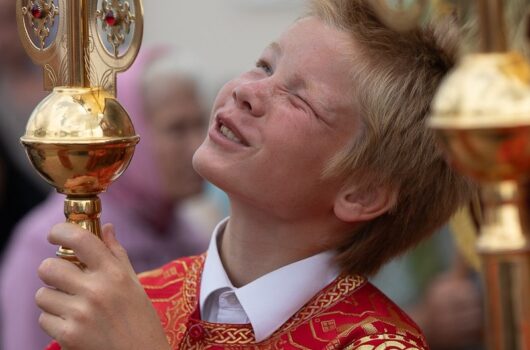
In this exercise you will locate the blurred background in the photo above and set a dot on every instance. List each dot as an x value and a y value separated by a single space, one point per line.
223 38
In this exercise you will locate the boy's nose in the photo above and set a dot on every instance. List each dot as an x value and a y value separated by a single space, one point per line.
250 96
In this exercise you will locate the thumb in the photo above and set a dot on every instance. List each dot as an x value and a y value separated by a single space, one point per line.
109 238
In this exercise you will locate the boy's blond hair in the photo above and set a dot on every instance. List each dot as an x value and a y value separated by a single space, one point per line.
395 76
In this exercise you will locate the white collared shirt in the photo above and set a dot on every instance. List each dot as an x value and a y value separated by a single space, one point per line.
267 302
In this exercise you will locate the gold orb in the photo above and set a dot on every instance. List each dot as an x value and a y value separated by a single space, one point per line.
79 140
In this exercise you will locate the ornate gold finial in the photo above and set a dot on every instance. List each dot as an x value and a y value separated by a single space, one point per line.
41 14
79 138
116 19
81 43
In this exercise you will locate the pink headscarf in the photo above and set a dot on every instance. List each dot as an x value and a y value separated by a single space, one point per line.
139 186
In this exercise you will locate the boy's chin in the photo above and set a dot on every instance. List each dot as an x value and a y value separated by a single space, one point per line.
206 169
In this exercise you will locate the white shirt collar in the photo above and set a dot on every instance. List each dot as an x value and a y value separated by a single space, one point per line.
272 299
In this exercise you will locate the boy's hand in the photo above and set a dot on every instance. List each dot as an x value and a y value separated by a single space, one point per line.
101 307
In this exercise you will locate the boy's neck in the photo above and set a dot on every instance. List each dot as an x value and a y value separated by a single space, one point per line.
255 243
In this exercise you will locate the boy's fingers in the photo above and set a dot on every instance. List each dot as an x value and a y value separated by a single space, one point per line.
109 238
87 247
53 302
52 325
61 274
108 235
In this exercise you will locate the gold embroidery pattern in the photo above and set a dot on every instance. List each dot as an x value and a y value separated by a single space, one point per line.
223 334
369 328
214 333
188 344
395 318
163 286
328 326
176 320
152 273
183 303
385 342
192 283
345 286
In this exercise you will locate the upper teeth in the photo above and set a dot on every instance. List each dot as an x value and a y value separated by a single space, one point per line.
229 134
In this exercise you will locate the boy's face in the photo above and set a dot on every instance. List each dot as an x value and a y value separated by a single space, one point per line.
274 128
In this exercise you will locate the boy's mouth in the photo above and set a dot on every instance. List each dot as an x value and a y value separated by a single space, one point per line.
229 134
230 131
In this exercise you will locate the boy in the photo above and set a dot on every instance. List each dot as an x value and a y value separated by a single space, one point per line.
323 152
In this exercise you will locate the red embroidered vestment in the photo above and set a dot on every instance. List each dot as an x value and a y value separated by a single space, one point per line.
348 314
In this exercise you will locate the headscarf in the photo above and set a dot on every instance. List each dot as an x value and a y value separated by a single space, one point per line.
140 185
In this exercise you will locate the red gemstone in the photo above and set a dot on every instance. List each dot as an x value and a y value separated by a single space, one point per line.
36 11
110 18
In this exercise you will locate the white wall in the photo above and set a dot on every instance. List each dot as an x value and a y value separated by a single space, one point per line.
227 35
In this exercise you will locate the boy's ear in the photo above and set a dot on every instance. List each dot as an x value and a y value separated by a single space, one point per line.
354 204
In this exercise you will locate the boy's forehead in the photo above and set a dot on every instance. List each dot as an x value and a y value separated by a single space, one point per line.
312 37
323 58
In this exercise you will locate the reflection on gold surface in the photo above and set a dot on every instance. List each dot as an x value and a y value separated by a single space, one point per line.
77 142
80 138
482 116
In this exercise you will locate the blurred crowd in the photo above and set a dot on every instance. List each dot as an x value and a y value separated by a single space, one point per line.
162 209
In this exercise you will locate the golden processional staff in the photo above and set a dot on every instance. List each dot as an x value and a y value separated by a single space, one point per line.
79 138
482 116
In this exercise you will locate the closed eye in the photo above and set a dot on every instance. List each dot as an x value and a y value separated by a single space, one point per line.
301 100
308 105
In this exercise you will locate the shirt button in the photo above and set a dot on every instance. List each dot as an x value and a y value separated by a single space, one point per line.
196 332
